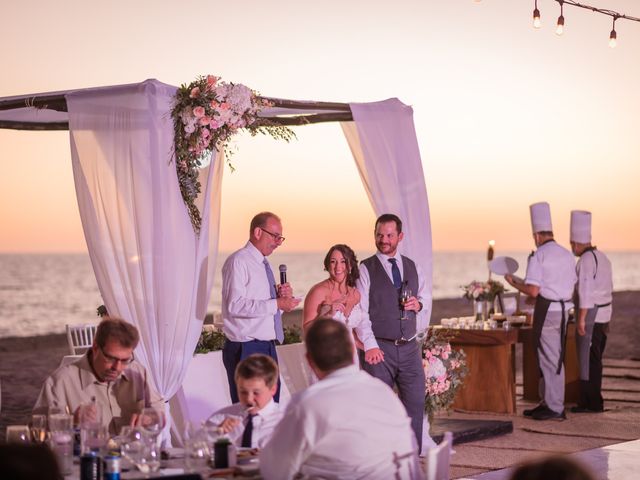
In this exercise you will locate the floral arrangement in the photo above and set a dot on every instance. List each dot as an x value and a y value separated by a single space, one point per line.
444 369
206 114
483 290
211 339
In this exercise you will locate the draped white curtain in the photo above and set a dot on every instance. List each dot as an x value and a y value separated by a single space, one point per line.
151 268
383 142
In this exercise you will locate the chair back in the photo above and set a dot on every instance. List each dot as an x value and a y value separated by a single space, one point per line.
80 337
439 458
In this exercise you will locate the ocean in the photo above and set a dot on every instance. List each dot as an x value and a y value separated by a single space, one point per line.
40 293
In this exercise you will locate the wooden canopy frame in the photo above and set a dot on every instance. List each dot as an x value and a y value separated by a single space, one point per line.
338 112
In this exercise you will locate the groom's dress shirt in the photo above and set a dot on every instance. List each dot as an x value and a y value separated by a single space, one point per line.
423 295
247 307
348 425
264 422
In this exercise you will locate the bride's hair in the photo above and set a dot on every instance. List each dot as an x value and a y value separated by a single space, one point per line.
349 255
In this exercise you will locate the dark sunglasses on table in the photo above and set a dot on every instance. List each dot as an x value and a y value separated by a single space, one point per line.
276 236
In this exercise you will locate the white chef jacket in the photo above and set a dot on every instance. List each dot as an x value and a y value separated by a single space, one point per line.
264 422
247 307
595 283
552 268
423 295
348 425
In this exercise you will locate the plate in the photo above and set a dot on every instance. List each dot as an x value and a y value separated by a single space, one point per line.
503 265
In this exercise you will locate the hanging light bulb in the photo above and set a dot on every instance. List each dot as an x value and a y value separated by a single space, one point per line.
613 36
536 16
560 24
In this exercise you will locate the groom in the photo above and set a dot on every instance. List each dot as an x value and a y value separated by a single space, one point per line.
381 278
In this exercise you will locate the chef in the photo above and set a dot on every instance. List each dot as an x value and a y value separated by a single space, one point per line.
550 279
593 311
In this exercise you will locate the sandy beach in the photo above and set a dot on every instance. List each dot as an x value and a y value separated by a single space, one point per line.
26 362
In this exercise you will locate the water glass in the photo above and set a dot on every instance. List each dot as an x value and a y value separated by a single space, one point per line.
60 422
93 437
18 434
61 443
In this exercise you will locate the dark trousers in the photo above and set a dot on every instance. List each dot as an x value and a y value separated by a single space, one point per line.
234 352
402 366
591 390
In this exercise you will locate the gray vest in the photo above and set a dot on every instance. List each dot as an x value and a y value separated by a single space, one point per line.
384 300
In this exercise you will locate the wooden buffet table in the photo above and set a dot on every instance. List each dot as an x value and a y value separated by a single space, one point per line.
490 385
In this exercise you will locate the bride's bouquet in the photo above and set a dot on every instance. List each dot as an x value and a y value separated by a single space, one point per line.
444 369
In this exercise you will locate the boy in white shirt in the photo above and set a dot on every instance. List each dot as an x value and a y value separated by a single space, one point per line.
250 422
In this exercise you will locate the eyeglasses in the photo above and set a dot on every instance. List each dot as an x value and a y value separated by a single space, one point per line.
276 236
111 359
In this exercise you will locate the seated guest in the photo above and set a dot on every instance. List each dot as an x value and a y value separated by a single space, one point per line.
347 425
250 422
107 380
556 468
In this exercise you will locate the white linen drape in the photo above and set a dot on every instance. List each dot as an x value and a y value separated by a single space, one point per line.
383 142
151 268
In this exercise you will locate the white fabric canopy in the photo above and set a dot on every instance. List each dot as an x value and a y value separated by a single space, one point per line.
150 266
383 142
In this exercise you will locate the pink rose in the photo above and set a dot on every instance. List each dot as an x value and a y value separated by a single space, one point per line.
445 355
205 132
214 124
214 104
225 106
194 92
205 120
211 81
198 112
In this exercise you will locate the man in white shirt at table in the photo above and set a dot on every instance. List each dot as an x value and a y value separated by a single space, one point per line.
348 425
252 303
251 422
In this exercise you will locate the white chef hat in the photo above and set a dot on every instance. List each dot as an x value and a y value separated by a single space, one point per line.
580 226
540 217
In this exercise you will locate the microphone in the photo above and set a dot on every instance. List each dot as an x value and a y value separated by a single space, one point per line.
283 273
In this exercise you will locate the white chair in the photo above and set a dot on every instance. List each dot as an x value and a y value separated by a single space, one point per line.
438 459
80 337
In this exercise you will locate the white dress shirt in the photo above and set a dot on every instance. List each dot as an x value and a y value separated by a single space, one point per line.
364 282
247 306
595 283
264 422
552 268
348 425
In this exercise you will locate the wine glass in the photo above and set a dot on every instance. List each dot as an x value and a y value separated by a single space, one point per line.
151 421
405 295
38 428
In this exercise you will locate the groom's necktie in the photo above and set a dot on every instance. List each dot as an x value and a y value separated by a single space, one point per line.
277 318
395 273
248 431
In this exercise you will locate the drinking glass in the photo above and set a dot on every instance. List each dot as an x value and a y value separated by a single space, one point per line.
151 422
405 295
198 446
38 428
133 449
61 440
93 437
18 434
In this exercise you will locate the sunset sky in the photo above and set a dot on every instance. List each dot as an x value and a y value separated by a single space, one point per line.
505 115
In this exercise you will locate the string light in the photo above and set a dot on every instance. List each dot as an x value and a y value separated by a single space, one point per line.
560 23
536 16
613 36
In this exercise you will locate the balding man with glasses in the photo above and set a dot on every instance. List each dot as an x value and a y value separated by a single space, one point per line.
252 301
107 379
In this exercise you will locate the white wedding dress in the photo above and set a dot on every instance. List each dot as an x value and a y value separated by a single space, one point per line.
357 322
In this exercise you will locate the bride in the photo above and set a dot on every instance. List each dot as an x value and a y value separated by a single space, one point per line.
337 298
